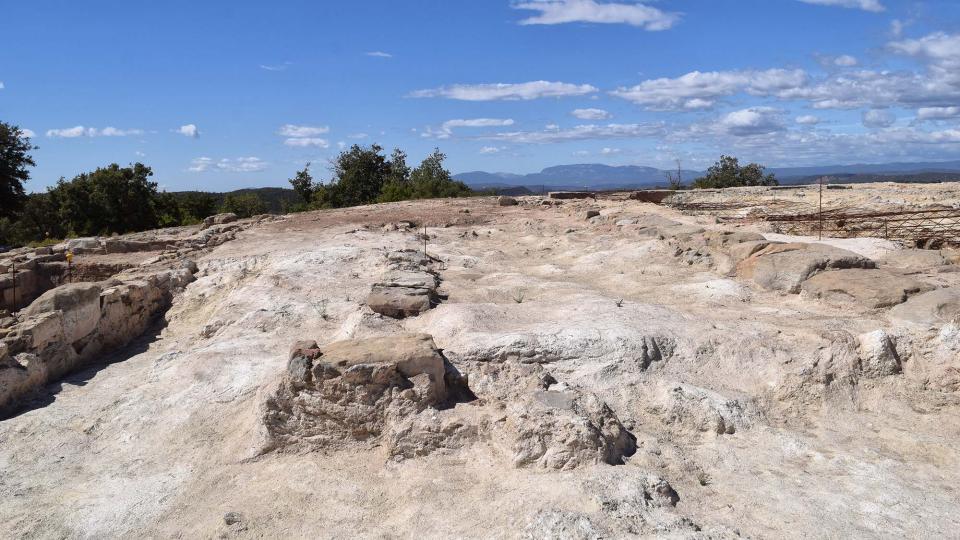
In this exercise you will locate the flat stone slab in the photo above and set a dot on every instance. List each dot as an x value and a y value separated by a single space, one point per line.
399 302
930 309
867 287
784 267
412 354
409 278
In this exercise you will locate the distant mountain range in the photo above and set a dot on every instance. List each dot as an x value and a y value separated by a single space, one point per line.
597 176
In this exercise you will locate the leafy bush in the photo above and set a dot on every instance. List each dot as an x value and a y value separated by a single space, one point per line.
728 173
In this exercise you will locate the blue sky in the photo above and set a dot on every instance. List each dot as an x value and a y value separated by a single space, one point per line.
218 95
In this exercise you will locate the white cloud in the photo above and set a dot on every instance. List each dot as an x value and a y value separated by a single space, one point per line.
491 149
896 28
577 133
358 136
866 5
591 11
807 120
591 114
291 130
27 132
1 85
304 142
139 154
80 131
276 67
940 48
506 91
878 118
845 61
752 121
446 130
610 151
240 164
700 90
189 130
937 113
379 54
116 132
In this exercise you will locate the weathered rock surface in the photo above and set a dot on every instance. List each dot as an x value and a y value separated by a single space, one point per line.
784 267
503 200
354 391
869 288
408 289
218 219
931 309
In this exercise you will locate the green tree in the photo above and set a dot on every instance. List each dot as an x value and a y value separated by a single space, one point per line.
358 176
728 173
111 199
303 184
14 160
431 180
197 205
244 205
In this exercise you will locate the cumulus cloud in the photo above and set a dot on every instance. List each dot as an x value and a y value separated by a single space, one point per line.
291 130
305 142
700 90
189 130
591 114
752 121
81 131
937 113
583 132
445 131
506 91
866 5
845 60
940 48
807 120
240 164
491 149
27 132
379 54
878 118
591 11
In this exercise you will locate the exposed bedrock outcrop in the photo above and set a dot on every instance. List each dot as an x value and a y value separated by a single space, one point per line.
400 392
870 288
408 288
784 267
74 324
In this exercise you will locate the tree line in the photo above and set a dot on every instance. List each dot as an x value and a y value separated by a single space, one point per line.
115 199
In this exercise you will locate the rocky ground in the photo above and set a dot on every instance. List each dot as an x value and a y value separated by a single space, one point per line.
535 373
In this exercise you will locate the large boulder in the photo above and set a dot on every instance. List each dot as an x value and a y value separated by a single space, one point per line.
356 392
784 267
399 302
218 219
932 309
869 288
79 303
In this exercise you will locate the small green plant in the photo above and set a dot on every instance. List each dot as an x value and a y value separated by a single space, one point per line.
704 478
321 309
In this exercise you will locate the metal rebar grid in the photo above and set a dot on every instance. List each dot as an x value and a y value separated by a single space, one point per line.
919 227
